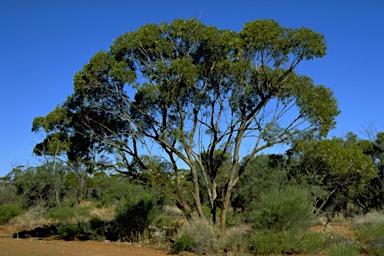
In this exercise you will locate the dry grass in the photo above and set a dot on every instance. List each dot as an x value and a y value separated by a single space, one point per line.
172 211
104 214
370 218
34 217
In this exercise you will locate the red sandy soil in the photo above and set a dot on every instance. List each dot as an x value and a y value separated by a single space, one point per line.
47 247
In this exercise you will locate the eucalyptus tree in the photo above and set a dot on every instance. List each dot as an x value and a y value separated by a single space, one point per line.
183 88
330 167
52 147
60 150
373 195
8 190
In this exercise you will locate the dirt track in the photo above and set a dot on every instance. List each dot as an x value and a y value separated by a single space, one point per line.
34 247
24 247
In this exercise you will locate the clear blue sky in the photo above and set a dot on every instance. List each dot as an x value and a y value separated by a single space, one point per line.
44 42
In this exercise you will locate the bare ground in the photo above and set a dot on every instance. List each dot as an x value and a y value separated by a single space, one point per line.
47 247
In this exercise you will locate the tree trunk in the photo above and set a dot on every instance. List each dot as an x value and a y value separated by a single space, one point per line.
225 206
196 194
231 183
213 212
224 210
57 198
182 205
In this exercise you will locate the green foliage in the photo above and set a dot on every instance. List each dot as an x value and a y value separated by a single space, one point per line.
169 83
183 243
102 230
200 237
282 210
8 192
116 189
370 232
9 211
70 231
263 173
56 141
65 215
334 170
234 240
341 249
372 197
234 218
78 182
157 176
268 242
38 184
132 218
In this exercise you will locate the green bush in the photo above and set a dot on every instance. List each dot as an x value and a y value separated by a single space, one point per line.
371 235
184 243
268 242
113 191
341 249
9 211
8 192
233 241
282 210
66 215
203 238
103 230
70 231
133 218
72 222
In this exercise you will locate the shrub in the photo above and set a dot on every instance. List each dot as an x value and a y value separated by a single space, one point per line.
8 193
342 249
282 210
71 222
9 211
133 218
370 232
183 243
72 215
233 241
70 231
34 216
199 236
126 221
268 242
103 230
119 190
332 238
102 224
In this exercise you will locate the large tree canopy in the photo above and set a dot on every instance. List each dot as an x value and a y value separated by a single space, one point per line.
182 89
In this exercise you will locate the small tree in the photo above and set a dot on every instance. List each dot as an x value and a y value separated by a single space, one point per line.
332 166
61 147
372 196
54 145
7 190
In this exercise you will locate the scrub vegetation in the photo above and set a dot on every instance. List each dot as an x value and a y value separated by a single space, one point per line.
167 139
